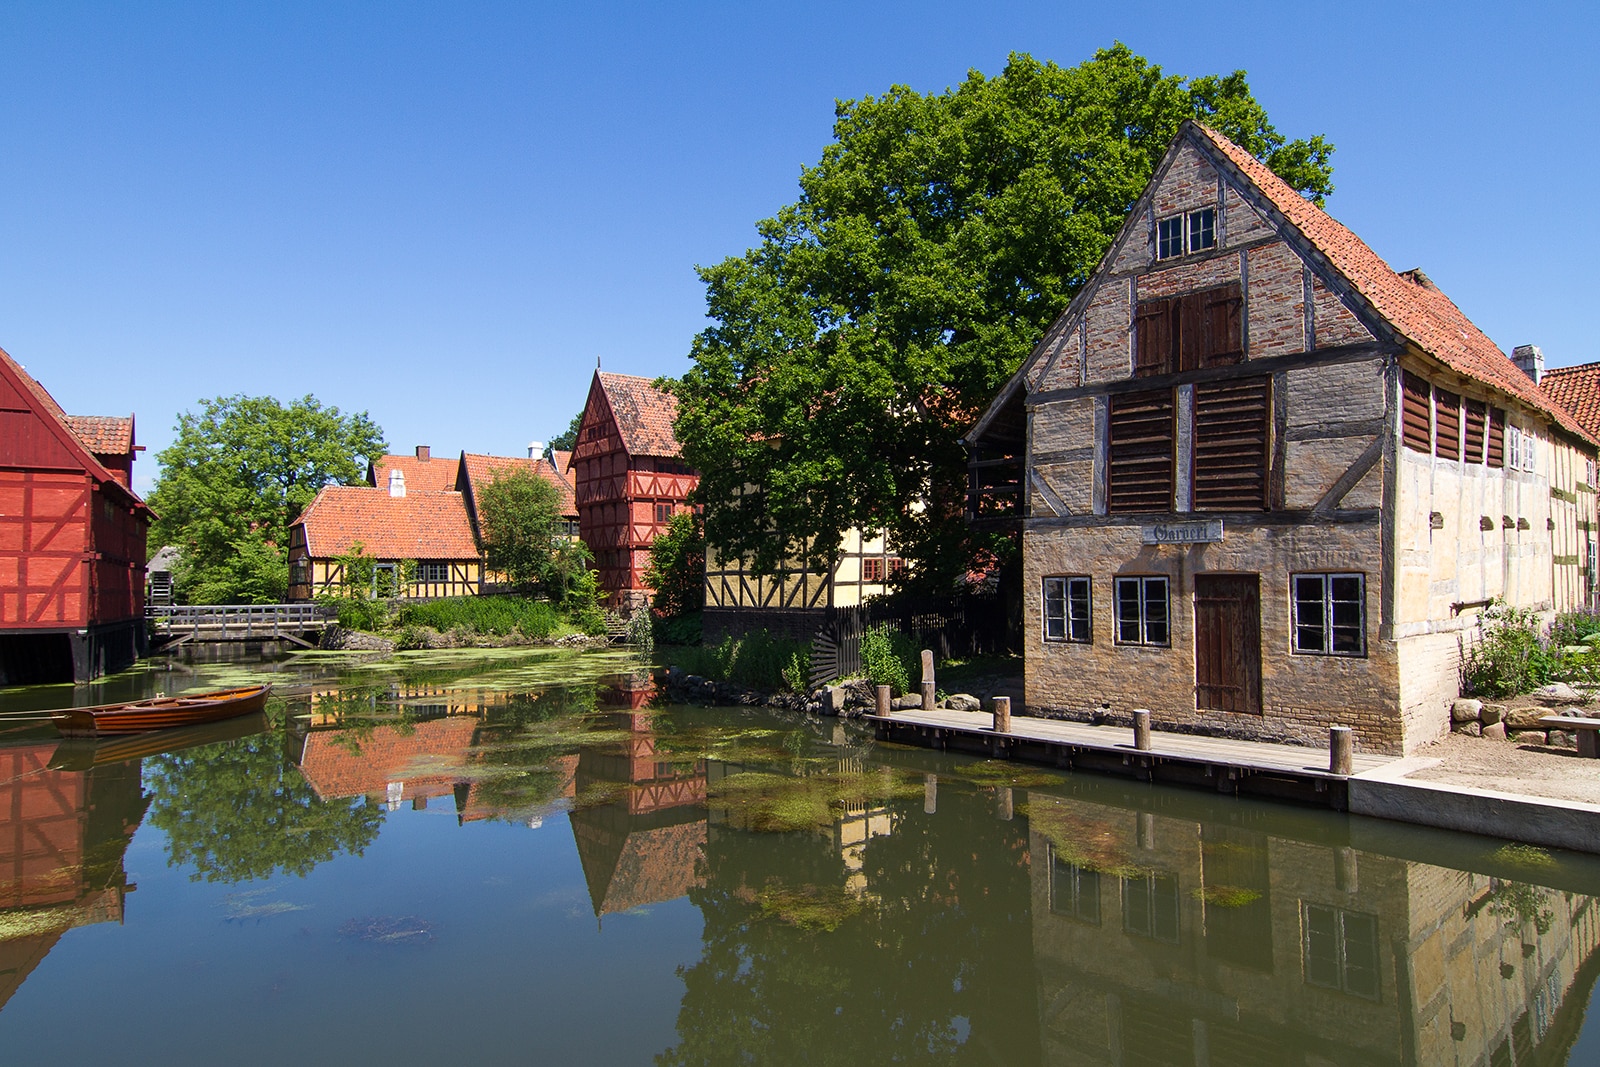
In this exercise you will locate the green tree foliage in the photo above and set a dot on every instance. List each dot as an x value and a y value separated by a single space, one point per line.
563 442
517 515
678 566
237 474
930 247
235 811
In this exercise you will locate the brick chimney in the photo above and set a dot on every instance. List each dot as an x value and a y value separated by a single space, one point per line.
1529 360
397 482
424 453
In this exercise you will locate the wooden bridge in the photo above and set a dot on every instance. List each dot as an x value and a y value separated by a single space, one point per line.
175 624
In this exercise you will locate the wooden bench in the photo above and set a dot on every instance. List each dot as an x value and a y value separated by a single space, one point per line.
1587 731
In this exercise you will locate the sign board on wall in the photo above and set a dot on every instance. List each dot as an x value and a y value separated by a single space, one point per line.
1206 531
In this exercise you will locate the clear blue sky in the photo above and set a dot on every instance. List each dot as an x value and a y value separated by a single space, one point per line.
443 213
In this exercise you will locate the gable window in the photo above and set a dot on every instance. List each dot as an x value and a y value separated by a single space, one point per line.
1330 613
1142 611
1191 231
431 570
1066 610
1139 461
1189 331
1340 950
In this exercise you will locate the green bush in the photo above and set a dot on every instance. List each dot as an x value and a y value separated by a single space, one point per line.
1575 628
758 660
496 615
357 613
797 673
888 657
679 630
1509 657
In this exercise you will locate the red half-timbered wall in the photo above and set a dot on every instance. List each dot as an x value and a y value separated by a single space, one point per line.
623 499
72 538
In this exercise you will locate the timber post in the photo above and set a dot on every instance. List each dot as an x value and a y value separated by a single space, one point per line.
883 700
1002 715
1141 728
1341 750
1004 804
930 793
928 686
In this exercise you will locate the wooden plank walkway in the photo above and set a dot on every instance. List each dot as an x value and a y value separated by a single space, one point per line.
1287 772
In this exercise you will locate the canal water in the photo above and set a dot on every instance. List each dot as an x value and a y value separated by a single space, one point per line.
517 857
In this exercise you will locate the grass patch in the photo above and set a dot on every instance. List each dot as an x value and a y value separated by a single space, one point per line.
498 616
757 660
810 907
1524 856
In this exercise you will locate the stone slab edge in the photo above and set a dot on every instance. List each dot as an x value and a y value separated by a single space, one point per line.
1532 820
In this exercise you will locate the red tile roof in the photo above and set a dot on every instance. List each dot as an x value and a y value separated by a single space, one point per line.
104 435
644 414
1578 390
429 475
479 470
419 525
1414 306
563 461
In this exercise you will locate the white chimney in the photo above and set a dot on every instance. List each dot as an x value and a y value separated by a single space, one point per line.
397 482
535 449
1529 360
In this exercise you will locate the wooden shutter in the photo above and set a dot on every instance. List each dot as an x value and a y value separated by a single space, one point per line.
1221 320
1154 338
1447 421
1191 330
1495 450
1475 435
1139 468
1232 435
1416 420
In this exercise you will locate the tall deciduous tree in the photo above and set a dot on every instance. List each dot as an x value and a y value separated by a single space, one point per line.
931 246
238 473
517 516
678 566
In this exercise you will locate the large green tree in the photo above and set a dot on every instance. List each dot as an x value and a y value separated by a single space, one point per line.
236 476
931 246
517 515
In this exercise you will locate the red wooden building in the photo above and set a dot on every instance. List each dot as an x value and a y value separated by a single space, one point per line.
72 539
630 479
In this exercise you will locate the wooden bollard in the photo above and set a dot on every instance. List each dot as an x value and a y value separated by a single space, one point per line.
1002 715
930 793
1141 728
1341 750
883 700
928 687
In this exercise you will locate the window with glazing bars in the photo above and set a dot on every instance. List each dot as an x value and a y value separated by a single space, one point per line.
1142 615
1074 890
431 571
1330 613
1066 610
1150 907
1341 950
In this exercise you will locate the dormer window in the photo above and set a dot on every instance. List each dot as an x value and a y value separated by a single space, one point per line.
1192 231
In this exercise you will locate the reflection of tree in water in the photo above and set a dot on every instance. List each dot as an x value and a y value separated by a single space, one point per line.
935 962
522 744
238 810
1520 905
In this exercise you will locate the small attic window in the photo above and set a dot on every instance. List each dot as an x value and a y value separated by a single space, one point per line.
1192 231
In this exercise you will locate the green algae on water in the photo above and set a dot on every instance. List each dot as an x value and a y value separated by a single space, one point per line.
809 907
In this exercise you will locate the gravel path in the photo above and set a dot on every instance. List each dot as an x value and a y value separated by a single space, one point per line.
1512 767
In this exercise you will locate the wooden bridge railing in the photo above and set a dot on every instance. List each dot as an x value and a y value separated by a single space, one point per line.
237 622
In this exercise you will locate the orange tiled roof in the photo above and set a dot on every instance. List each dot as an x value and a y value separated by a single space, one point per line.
1578 390
422 757
429 475
1410 303
419 525
563 461
644 414
104 435
480 469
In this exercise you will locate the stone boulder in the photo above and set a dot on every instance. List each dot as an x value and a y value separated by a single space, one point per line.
962 702
1525 718
1466 710
1497 732
1491 714
1557 694
909 702
1472 728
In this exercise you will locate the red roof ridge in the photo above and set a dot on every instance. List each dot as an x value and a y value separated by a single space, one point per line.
1410 303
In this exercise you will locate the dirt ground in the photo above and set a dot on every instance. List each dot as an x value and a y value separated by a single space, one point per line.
1512 767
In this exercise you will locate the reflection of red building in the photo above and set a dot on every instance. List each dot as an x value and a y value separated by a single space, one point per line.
647 846
62 839
389 764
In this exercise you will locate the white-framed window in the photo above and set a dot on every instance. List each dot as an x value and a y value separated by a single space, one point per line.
1330 614
429 570
1522 449
1340 950
1066 610
1191 231
1142 612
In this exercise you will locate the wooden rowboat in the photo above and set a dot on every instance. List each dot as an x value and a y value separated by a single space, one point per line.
159 713
82 753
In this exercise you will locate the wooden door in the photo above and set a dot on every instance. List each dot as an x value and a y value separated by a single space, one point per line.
1227 642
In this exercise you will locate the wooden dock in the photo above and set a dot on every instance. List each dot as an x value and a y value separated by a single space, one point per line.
1259 768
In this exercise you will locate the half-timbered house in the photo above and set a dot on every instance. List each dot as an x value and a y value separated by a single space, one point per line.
1268 484
72 539
630 480
795 599
419 471
424 540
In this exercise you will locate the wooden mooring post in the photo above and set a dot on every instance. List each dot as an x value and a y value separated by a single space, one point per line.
1002 715
884 707
1341 750
1141 728
928 687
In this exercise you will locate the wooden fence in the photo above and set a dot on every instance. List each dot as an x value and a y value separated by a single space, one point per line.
237 622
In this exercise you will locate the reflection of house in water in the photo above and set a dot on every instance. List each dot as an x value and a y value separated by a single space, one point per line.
1160 940
647 846
62 839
